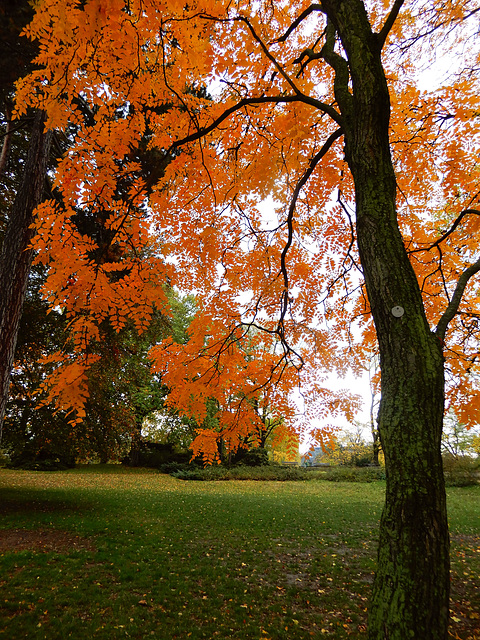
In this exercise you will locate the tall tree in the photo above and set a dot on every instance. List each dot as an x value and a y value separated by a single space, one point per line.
373 185
16 254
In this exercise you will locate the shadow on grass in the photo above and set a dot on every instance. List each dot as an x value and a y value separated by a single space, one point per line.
24 501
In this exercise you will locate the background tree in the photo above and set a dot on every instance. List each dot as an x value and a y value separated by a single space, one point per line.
122 391
317 107
32 433
16 253
457 440
351 449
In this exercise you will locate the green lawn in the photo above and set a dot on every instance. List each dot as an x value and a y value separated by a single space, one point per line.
109 552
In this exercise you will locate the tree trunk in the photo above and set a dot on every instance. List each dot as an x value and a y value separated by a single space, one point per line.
7 137
15 257
374 431
376 448
411 589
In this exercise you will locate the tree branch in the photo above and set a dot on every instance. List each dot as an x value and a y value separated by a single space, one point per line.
465 212
298 21
280 69
452 308
266 51
244 102
300 184
341 68
389 22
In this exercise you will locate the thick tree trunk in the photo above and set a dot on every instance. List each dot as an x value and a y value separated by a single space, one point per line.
411 589
15 257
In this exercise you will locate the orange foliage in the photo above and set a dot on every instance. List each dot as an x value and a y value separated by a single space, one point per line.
243 108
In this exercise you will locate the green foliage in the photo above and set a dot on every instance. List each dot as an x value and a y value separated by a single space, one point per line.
256 457
43 461
53 456
122 389
157 455
354 474
461 471
32 433
183 311
457 440
16 53
351 450
270 472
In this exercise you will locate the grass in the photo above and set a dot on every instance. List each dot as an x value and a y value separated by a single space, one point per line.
107 552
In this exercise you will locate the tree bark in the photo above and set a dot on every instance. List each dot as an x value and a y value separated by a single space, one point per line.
15 256
411 589
7 138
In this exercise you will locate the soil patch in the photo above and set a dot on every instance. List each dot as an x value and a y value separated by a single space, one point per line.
43 540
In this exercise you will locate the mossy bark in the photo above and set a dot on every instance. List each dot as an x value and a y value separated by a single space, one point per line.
411 589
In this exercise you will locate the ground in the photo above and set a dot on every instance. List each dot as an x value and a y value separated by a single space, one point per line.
42 540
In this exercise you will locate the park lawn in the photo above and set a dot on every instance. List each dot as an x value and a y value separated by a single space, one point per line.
110 552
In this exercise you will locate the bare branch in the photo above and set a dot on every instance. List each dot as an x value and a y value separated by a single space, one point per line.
452 308
389 22
298 21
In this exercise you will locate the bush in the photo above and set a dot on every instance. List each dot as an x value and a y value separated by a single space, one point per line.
199 473
274 472
42 464
354 474
271 472
461 471
44 459
4 458
155 455
243 472
254 458
176 466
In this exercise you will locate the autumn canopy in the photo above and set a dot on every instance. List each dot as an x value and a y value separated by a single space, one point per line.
310 173
206 142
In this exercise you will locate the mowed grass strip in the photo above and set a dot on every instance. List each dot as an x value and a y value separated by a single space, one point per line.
109 552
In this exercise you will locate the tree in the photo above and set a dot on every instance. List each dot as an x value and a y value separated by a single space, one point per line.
374 185
32 432
16 254
122 390
351 449
457 440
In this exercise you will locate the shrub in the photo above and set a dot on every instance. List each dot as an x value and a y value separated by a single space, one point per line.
156 456
198 473
354 474
461 471
243 472
4 458
255 458
175 466
42 460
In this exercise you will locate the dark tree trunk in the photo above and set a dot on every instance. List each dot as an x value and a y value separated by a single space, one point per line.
411 589
15 257
7 137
